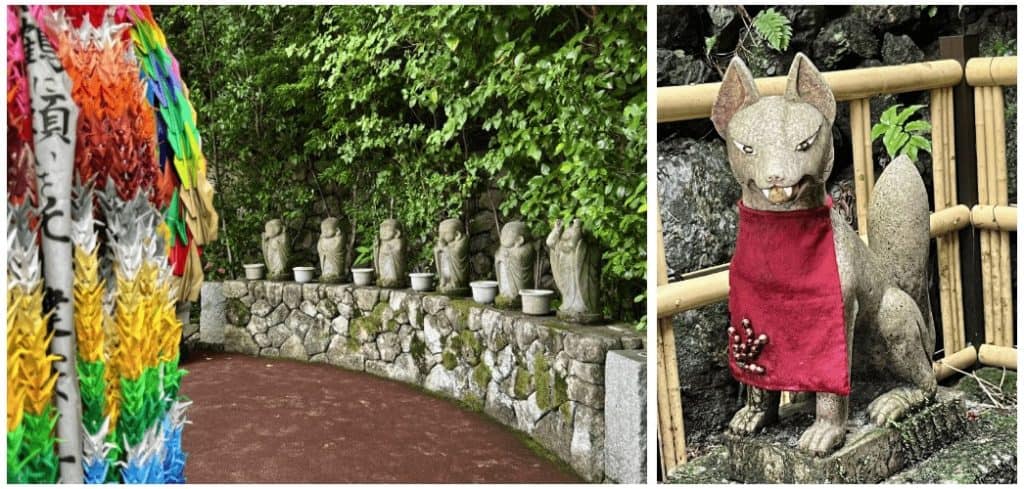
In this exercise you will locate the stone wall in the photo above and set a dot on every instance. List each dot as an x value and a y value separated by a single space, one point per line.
537 375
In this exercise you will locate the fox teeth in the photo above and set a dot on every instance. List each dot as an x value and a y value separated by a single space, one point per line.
789 191
767 193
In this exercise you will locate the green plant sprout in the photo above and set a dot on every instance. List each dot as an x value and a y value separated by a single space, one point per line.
899 134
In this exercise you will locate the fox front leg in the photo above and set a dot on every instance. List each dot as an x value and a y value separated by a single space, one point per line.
829 428
762 409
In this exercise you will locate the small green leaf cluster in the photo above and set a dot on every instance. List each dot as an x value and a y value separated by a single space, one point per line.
900 135
774 28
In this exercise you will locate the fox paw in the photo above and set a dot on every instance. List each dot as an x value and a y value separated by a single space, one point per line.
822 437
749 420
893 405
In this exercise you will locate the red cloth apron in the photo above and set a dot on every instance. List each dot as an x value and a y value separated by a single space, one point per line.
785 303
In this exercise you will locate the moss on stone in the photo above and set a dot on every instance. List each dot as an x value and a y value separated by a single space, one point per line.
468 340
371 325
448 360
352 344
481 375
560 389
543 383
503 303
461 307
236 312
417 348
472 402
566 411
521 389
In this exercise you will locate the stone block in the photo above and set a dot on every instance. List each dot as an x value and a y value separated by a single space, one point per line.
625 414
274 291
234 289
870 454
212 317
238 340
293 349
292 295
366 298
311 292
589 347
261 308
317 338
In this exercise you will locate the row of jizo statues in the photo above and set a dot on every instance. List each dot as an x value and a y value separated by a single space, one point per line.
574 255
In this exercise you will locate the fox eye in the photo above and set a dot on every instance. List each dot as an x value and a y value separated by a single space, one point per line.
744 148
805 144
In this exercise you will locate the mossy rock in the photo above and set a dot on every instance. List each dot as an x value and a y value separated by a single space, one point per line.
542 380
236 312
523 383
448 360
461 307
418 349
481 375
369 325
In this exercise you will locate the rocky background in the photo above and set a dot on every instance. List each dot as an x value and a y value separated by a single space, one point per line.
696 190
539 375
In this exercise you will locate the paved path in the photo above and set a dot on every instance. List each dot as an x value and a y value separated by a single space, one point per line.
265 420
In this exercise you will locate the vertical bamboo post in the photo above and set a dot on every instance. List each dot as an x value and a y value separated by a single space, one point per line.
670 403
958 294
980 109
940 163
1004 287
863 170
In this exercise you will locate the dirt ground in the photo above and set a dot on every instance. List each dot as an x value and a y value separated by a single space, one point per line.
266 420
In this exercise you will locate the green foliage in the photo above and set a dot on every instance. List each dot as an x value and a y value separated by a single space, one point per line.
899 134
364 113
774 28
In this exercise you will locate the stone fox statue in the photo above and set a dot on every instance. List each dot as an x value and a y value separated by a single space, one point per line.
780 151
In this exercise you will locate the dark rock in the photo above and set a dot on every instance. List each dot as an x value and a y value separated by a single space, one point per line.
697 195
886 17
900 50
678 68
847 38
710 394
678 26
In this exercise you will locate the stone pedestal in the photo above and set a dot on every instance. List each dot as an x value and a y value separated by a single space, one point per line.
211 315
625 407
870 454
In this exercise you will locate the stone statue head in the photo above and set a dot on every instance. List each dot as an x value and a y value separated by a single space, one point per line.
573 233
779 147
390 229
273 228
329 227
449 230
514 234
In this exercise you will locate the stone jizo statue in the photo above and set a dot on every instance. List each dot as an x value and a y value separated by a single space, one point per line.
842 297
513 263
451 257
389 252
331 247
275 250
576 267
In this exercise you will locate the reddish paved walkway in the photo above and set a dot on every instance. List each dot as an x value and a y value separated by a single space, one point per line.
263 420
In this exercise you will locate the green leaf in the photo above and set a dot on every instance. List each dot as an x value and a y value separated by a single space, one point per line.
877 130
918 126
774 28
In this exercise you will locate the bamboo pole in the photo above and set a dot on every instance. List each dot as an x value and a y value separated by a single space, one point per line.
695 101
981 122
860 131
998 356
949 220
670 412
961 360
995 271
944 218
692 293
1004 287
994 217
982 72
958 302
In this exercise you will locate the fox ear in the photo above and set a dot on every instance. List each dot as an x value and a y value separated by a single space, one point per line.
806 85
736 92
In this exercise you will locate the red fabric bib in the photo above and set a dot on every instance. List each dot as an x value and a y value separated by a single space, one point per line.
786 304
